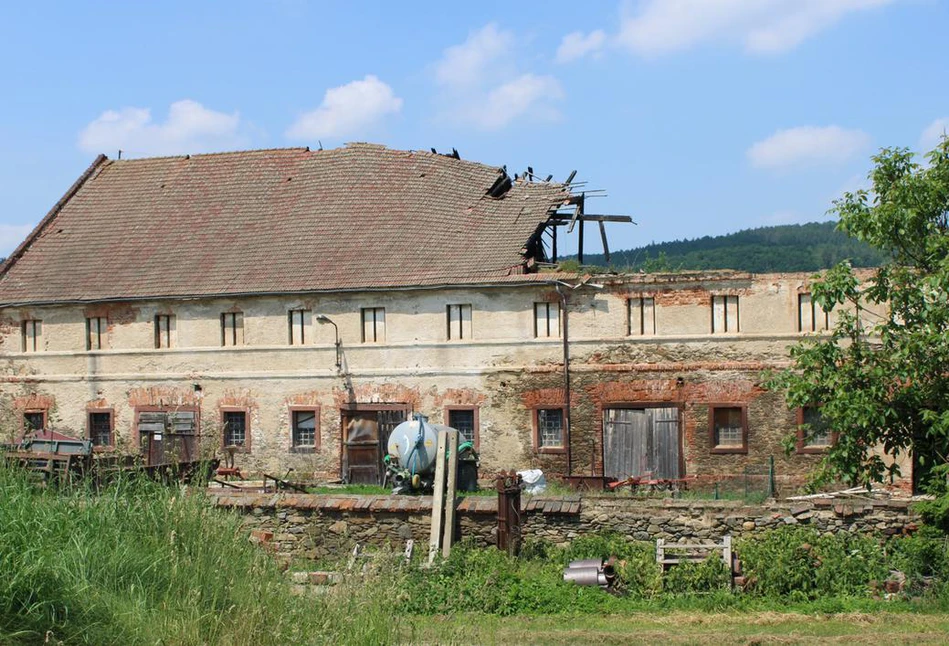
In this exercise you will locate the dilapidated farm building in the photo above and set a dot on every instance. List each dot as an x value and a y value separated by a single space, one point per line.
190 303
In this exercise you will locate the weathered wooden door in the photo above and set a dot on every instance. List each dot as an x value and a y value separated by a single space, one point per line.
168 437
365 437
641 441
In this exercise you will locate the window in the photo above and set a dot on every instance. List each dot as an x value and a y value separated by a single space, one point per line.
96 329
299 324
642 316
232 328
465 421
164 330
234 425
373 324
32 332
100 428
728 427
724 314
304 429
34 420
814 434
549 429
811 317
546 320
459 322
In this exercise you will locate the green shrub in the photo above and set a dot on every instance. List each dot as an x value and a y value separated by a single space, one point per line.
710 575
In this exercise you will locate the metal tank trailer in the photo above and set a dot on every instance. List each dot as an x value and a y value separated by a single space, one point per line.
410 462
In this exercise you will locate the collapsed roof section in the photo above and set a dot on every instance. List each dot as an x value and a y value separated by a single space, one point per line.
282 221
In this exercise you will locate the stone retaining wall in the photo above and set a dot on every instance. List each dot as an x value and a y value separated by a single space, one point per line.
320 526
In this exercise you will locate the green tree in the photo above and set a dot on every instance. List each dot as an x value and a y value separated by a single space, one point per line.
883 381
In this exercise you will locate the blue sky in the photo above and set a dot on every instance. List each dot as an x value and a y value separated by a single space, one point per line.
698 117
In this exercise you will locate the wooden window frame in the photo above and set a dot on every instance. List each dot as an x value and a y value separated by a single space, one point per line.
302 311
100 335
23 414
315 448
246 447
535 421
232 342
557 332
642 316
728 328
800 447
375 324
99 411
37 338
476 423
713 439
459 334
169 321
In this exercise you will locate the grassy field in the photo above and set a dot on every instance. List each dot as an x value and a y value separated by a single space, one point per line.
684 628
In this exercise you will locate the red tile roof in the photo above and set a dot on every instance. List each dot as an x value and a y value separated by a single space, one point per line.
276 221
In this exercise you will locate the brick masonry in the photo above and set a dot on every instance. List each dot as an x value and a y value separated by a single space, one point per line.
321 526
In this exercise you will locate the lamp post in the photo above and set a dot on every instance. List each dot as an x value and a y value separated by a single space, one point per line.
322 318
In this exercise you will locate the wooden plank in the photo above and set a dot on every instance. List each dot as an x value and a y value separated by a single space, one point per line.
449 530
606 246
438 499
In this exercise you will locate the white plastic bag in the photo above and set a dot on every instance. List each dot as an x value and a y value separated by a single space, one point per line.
534 481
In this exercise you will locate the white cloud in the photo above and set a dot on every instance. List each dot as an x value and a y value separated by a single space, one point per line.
760 26
577 45
11 235
808 145
190 128
481 87
348 110
468 65
932 134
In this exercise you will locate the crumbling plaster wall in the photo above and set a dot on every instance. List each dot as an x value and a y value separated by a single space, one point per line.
502 369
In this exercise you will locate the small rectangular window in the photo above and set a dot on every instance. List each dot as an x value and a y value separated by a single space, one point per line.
234 424
34 420
373 325
811 317
232 328
299 326
304 431
459 322
96 329
814 434
464 420
164 330
32 334
100 428
546 320
729 429
550 428
642 316
724 314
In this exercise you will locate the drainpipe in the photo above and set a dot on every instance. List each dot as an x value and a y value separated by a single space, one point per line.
566 369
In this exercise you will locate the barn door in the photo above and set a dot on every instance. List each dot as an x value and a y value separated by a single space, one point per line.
168 437
641 442
366 434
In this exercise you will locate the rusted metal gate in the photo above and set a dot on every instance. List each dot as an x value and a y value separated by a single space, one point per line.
641 441
366 435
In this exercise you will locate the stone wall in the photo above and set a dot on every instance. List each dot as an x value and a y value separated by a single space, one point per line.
320 526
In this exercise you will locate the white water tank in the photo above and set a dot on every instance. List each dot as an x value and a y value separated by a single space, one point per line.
415 445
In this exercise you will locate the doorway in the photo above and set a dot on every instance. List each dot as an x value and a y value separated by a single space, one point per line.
641 442
365 438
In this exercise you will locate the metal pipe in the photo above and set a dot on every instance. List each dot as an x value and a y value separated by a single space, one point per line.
585 576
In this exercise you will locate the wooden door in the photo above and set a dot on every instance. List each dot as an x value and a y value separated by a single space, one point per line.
365 436
641 442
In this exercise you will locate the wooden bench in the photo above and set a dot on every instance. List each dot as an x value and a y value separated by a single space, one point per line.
674 553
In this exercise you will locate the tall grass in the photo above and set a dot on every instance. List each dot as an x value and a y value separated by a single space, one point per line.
140 563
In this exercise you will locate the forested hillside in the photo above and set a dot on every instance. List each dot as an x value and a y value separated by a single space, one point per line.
793 247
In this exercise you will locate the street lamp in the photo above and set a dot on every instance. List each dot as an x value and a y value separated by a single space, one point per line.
322 318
